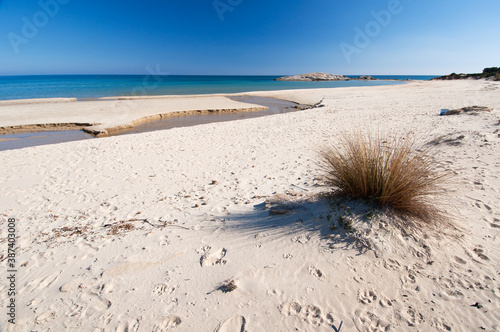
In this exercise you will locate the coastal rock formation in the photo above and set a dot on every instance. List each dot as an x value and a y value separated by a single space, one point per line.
491 74
323 77
314 77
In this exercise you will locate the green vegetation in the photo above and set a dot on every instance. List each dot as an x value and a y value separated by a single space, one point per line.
488 73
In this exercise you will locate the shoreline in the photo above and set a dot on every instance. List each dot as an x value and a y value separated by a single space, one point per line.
110 125
115 123
108 115
85 87
61 132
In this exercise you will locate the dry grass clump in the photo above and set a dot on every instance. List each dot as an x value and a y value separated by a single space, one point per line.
389 171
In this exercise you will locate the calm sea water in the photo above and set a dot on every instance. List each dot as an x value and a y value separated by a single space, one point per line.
94 86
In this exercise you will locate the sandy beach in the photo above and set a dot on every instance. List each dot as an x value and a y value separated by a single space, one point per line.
173 230
101 117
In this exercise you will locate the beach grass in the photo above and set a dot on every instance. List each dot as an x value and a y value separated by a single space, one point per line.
391 171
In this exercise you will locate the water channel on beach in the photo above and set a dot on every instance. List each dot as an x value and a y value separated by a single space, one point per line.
275 106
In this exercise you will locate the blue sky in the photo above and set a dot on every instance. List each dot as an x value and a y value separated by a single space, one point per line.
248 37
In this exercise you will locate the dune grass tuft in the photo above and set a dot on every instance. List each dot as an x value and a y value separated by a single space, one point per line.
392 172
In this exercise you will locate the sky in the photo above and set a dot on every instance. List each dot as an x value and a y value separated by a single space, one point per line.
248 37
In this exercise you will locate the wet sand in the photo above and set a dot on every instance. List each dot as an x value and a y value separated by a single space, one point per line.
274 106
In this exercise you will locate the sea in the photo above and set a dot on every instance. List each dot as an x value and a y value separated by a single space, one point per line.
96 86
90 87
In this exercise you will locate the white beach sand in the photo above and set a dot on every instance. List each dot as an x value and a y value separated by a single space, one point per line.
138 232
107 115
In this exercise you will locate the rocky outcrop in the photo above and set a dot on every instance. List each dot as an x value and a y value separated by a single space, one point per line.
323 77
492 74
314 77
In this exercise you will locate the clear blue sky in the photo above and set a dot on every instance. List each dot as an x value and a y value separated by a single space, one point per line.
248 37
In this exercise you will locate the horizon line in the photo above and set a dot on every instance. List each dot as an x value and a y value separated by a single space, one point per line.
279 75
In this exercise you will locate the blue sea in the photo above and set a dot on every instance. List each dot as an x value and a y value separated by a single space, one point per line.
95 86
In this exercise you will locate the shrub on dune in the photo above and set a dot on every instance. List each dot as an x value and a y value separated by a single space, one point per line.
390 171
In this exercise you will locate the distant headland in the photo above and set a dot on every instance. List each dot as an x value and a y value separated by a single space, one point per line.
491 74
322 77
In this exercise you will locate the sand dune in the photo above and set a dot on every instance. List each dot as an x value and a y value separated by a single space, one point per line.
141 232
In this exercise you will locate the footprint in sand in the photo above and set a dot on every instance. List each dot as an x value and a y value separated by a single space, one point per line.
42 283
310 314
441 325
368 321
480 253
105 319
413 317
302 239
446 282
213 259
46 317
367 296
203 249
233 324
392 264
172 321
290 309
409 281
70 286
33 303
316 273
162 289
168 323
95 303
129 326
385 303
460 260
